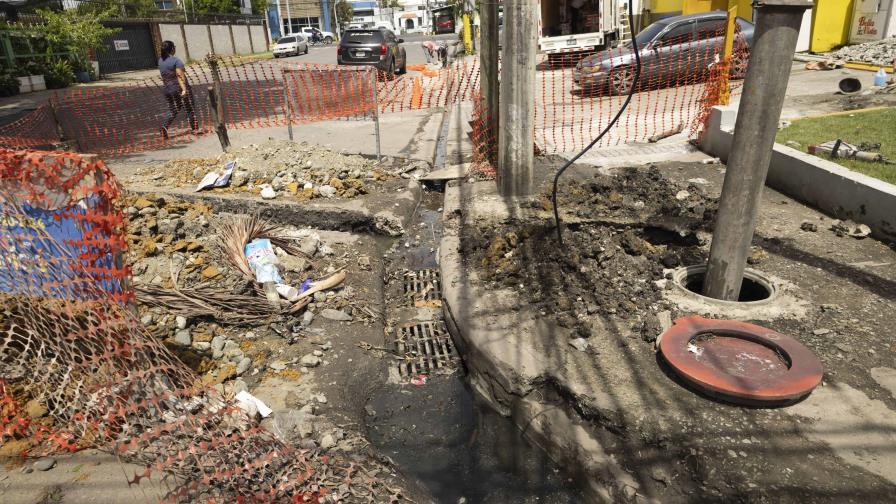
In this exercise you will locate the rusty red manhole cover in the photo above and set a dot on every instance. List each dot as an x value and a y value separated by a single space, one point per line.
741 362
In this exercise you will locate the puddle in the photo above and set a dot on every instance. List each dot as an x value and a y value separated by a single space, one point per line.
459 450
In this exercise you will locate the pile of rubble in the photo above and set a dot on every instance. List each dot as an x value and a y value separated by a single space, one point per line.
300 170
173 244
879 52
603 268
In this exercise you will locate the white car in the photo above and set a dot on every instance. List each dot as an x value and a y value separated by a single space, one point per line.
327 37
290 45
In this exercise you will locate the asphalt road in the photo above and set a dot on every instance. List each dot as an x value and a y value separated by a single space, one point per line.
327 54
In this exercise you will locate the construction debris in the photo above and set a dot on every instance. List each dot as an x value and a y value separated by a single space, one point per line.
878 52
276 168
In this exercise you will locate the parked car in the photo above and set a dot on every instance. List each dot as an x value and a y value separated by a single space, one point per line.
670 49
326 37
443 21
291 45
379 48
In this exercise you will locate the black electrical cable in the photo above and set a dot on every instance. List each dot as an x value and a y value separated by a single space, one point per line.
588 147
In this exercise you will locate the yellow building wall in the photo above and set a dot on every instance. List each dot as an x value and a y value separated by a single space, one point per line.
831 20
665 8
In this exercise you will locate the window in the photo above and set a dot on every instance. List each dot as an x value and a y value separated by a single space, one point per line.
364 36
294 25
679 34
286 40
710 28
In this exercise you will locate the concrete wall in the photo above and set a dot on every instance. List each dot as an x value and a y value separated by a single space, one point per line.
197 41
258 38
823 184
172 32
246 39
241 39
221 39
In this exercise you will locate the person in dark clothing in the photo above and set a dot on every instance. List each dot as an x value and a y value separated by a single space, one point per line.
177 89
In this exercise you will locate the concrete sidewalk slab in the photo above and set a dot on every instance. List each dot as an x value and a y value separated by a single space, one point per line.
637 435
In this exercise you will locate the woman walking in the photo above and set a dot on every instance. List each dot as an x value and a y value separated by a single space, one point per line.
177 90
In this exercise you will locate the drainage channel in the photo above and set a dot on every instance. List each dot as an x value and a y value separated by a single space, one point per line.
426 419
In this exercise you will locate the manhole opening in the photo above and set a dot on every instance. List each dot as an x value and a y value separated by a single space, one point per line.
739 356
423 285
424 349
750 289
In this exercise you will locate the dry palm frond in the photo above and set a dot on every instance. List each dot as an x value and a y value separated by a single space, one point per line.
235 232
205 302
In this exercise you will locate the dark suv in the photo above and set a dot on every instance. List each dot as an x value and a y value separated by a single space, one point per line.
377 47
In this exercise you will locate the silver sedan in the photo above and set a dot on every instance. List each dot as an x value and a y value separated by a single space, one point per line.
673 50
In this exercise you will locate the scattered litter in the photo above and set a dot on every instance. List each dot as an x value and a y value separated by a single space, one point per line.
263 262
249 403
698 181
839 149
268 192
850 228
580 344
694 349
828 64
821 332
288 292
218 178
666 134
714 160
419 380
809 226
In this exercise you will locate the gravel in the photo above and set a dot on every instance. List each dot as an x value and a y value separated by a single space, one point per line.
880 52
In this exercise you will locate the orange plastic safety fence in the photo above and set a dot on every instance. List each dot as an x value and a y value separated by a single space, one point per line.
36 129
577 95
70 340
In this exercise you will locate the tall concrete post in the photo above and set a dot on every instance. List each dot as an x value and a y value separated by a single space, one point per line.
517 99
488 71
777 28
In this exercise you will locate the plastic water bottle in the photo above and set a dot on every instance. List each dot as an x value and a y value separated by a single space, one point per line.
880 78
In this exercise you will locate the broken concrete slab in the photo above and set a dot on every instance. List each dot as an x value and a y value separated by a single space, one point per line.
451 172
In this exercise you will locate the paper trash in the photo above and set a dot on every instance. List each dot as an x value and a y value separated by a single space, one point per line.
247 402
217 178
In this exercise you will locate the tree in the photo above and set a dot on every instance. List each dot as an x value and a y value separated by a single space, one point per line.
259 7
214 6
344 13
78 31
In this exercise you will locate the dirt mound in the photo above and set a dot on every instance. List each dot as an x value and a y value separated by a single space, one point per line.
608 270
302 170
638 193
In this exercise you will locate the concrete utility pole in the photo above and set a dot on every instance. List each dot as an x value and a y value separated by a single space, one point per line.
517 94
488 69
777 28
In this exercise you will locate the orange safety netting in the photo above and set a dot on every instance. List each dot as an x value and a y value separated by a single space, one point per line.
71 341
575 98
573 102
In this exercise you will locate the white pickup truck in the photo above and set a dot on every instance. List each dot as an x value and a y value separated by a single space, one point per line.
568 26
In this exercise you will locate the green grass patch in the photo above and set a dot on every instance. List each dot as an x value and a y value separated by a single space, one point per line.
874 126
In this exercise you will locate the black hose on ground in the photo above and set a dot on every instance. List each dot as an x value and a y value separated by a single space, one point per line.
588 147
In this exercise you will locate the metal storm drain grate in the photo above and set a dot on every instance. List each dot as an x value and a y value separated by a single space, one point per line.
424 349
423 285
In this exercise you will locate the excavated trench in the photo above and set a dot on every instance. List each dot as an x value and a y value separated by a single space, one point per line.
457 447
